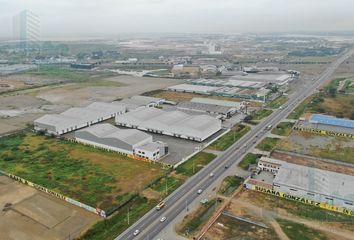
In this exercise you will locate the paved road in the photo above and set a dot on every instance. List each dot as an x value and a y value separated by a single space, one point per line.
150 226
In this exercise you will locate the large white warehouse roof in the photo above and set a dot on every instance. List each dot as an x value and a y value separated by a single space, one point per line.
175 123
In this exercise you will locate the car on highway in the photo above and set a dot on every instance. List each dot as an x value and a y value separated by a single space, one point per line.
211 175
200 191
162 219
226 166
136 232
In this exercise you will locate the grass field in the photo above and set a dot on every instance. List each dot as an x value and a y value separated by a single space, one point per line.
167 185
259 115
268 144
95 177
195 164
230 138
328 101
283 129
67 73
276 103
247 160
296 231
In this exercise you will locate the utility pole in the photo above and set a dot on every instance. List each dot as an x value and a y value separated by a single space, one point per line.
128 216
166 186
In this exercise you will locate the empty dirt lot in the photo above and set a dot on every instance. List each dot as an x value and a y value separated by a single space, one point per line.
36 215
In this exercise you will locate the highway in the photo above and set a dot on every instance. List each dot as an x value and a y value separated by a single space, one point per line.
150 226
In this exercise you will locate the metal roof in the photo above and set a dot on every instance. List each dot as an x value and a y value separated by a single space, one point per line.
329 120
314 180
177 122
218 102
106 130
204 107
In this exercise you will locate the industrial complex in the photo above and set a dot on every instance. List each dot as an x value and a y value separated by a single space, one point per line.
131 142
172 123
76 118
326 189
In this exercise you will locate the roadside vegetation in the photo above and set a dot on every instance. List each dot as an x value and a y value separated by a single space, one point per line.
195 164
230 138
110 228
283 129
268 144
276 103
259 115
195 220
248 160
229 185
300 231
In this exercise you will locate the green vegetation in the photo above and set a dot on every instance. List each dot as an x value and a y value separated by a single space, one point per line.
170 183
276 103
198 218
247 160
283 129
110 228
67 73
259 115
230 184
268 144
328 101
92 176
229 138
297 231
195 164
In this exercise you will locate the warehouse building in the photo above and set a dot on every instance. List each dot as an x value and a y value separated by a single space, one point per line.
76 118
172 123
222 111
223 103
326 189
326 125
193 88
130 142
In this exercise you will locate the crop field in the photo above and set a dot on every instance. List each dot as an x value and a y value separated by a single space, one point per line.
92 176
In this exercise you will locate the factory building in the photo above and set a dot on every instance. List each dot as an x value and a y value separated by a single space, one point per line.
322 188
76 118
130 142
172 123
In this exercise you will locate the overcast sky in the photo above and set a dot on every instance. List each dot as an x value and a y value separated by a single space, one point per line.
85 18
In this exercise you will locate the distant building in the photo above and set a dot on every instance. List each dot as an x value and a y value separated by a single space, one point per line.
190 71
130 142
26 29
83 65
135 102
